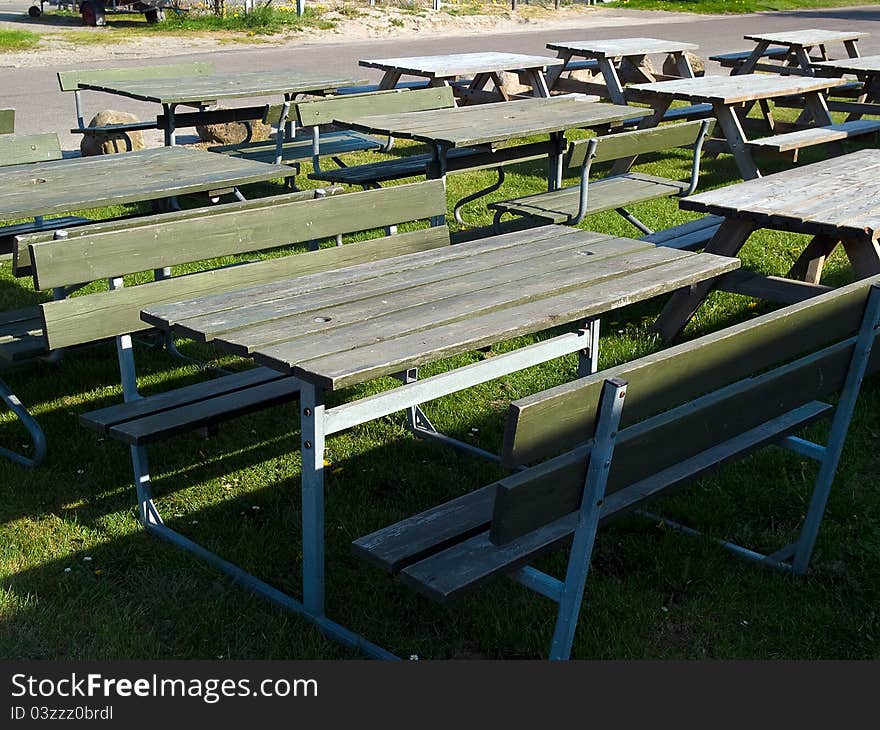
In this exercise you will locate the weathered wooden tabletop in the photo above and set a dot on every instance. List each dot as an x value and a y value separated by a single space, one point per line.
201 88
621 47
473 125
866 65
61 186
729 90
806 38
344 327
840 196
461 64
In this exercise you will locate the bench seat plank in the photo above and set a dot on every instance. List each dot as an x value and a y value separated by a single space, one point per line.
103 419
816 135
605 194
300 148
221 407
408 541
21 334
386 170
687 236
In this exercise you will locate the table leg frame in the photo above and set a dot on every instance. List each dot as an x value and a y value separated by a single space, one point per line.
317 423
727 241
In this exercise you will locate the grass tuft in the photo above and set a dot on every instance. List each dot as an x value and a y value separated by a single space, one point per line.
17 40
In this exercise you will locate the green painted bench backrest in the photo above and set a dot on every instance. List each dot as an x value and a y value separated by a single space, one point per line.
7 121
21 260
70 80
680 402
323 111
83 258
635 142
19 149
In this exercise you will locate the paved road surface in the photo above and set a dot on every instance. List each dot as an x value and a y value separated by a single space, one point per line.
41 107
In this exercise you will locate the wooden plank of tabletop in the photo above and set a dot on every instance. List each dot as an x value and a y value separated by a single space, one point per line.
350 367
328 320
171 315
461 64
841 194
60 186
865 64
257 309
735 89
614 48
485 123
809 37
193 89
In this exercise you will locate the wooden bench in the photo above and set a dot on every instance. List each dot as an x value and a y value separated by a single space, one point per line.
572 204
317 116
7 121
281 221
18 149
737 58
617 438
372 174
689 236
70 80
84 254
801 138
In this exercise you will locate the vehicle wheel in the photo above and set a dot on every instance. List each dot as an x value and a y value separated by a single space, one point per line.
34 11
154 15
92 13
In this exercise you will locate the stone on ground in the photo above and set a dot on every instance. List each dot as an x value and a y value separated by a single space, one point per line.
108 143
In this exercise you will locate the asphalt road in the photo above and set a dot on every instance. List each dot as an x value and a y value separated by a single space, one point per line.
33 92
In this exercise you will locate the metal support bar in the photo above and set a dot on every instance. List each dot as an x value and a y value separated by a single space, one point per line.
839 427
312 420
456 210
412 394
630 218
803 447
539 582
588 358
38 438
605 436
743 552
152 521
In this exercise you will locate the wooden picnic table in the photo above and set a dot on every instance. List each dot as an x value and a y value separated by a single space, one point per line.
353 325
206 89
867 70
611 55
835 201
799 44
731 98
478 69
489 125
60 186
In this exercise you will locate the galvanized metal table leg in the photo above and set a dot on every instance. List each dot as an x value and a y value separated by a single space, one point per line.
437 171
588 358
312 443
170 136
556 160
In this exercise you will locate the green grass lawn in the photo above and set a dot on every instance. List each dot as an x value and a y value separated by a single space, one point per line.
79 579
735 6
17 40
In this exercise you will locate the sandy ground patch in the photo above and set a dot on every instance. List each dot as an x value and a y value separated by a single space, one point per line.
63 38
